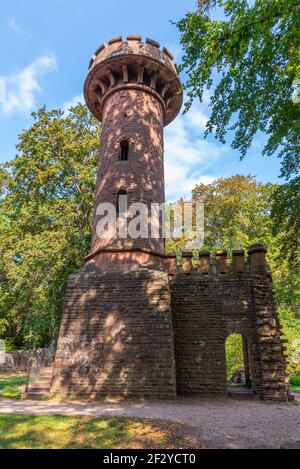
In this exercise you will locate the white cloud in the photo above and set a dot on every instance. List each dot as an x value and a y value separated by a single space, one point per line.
196 119
2 90
13 25
180 181
22 86
72 102
189 158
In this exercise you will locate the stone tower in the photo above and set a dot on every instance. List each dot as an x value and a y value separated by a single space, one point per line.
134 322
116 334
133 88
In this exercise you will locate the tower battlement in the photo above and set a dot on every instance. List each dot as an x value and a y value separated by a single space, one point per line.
219 263
133 64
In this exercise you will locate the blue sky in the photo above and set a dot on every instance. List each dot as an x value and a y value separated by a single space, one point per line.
45 50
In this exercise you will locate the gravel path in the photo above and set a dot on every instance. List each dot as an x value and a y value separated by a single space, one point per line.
224 423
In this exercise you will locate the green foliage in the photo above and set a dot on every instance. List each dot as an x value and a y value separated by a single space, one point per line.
253 56
66 432
10 386
3 327
255 50
234 354
237 214
46 208
290 322
286 219
295 383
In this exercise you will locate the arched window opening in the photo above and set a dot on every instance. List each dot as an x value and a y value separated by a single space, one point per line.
238 364
124 150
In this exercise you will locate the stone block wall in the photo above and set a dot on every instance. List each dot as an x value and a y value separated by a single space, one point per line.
21 360
116 336
153 334
271 349
206 309
212 301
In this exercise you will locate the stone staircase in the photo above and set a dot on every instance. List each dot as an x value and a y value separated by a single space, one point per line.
41 386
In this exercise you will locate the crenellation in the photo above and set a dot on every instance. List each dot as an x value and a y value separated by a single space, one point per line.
187 264
238 261
220 263
115 40
163 52
168 53
160 70
134 37
152 42
100 49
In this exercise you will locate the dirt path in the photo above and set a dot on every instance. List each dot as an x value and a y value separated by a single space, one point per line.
228 423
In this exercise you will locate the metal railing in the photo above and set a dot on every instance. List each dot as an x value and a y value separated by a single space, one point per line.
45 357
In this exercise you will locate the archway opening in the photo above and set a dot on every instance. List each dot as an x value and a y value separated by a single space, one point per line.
238 363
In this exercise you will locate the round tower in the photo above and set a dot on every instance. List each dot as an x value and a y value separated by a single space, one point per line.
133 88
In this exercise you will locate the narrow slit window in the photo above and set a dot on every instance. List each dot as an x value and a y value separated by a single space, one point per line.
124 150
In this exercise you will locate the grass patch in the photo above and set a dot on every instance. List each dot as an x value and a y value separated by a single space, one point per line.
10 385
295 383
58 431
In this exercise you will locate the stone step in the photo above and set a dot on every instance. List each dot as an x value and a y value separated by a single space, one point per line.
40 384
35 394
35 388
44 378
40 387
39 390
46 372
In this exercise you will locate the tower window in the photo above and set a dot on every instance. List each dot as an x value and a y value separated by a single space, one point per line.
124 150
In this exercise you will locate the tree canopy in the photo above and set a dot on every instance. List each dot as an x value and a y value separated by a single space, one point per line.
237 214
46 204
255 52
250 58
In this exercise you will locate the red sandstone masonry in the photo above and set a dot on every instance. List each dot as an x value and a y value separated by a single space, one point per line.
133 88
206 309
116 336
135 116
109 348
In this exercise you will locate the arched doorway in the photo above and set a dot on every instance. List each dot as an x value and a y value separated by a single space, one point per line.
238 364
